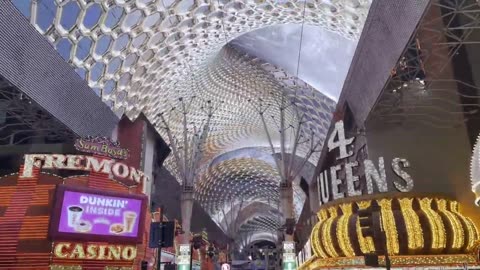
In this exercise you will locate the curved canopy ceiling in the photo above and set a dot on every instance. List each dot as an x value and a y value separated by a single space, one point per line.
141 56
242 195
303 51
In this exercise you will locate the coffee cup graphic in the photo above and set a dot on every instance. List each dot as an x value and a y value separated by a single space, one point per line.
129 218
74 215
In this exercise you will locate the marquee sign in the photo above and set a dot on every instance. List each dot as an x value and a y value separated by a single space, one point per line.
101 146
331 186
84 251
84 214
82 163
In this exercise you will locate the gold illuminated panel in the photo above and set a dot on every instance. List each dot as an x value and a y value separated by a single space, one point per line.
316 232
317 249
389 225
397 261
326 233
471 229
437 228
413 226
458 236
366 243
343 236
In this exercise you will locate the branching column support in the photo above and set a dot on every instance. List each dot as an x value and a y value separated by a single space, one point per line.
187 152
294 133
186 204
286 201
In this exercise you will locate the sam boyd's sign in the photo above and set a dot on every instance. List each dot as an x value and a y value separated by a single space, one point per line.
101 146
332 186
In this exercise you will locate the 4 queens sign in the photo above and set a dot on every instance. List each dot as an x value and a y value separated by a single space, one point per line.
340 181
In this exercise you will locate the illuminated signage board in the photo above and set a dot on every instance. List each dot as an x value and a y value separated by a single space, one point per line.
104 216
82 163
101 146
82 251
343 180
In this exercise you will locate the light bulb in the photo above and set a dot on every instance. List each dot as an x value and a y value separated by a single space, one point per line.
475 171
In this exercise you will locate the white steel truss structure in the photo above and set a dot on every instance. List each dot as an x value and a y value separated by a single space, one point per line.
422 89
144 56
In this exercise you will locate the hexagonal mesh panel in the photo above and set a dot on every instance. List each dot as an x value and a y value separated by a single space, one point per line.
142 55
129 50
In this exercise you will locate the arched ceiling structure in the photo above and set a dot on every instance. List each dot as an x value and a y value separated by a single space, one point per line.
301 49
246 183
141 56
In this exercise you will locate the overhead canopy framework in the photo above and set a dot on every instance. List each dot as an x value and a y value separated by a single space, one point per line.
24 122
142 56
32 66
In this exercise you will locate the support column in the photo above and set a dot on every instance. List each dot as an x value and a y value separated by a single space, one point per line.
186 204
286 204
314 199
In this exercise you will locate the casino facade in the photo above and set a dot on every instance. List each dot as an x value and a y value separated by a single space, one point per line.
82 213
419 212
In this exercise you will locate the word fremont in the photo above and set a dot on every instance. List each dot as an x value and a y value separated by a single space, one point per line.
81 163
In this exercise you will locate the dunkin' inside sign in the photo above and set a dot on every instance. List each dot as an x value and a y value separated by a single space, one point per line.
97 214
82 212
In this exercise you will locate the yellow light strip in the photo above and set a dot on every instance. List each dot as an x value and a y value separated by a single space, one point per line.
472 233
315 242
405 261
439 241
458 234
413 226
366 243
327 243
388 222
326 235
342 231
322 215
476 237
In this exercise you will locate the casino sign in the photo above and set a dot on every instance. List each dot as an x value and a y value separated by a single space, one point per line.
67 250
